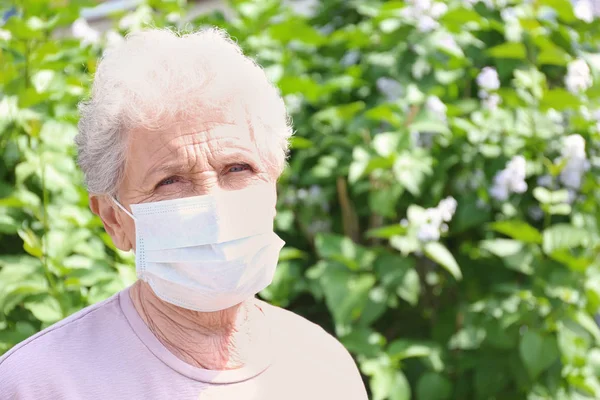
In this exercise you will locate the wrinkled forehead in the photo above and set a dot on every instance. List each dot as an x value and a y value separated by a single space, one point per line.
223 126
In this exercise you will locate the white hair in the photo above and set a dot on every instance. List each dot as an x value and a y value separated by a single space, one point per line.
156 77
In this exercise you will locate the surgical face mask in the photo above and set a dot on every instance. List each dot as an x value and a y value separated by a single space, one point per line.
207 253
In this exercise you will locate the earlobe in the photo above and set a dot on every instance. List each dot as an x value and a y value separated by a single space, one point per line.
104 208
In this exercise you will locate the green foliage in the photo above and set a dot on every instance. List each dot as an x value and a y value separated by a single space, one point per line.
445 277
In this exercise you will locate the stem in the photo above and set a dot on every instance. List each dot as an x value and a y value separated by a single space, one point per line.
349 217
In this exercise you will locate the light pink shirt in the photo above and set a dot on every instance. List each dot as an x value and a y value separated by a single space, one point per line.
106 352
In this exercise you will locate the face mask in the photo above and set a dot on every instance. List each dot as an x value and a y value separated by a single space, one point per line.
207 253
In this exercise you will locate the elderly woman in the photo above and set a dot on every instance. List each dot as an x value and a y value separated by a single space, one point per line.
181 145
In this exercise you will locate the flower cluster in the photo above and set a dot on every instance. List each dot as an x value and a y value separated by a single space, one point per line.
424 13
583 10
576 162
434 105
578 78
87 35
488 82
390 88
435 221
510 180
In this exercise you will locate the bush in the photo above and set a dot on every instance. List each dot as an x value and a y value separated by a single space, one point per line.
440 207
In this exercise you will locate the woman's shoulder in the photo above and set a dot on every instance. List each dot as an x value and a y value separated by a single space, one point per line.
56 345
306 346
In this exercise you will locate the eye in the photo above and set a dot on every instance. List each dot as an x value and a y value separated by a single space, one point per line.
169 181
239 168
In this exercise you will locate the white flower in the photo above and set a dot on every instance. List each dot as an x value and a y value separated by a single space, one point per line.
426 23
315 191
436 106
306 8
85 33
420 68
578 78
5 35
428 233
438 9
447 208
545 181
173 17
447 42
510 180
555 116
573 153
424 13
508 14
492 101
391 88
488 79
350 58
583 10
113 38
302 194
436 219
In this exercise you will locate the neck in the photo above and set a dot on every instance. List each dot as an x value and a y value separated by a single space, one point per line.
213 340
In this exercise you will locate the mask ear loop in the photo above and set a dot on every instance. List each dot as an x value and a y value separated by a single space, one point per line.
114 199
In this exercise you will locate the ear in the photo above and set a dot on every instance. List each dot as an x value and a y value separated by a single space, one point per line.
114 223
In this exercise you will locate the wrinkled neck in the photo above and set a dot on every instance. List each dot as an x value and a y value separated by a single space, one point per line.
211 340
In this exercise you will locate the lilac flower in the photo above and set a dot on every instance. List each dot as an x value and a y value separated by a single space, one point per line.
583 10
436 106
391 88
573 153
488 79
85 33
510 180
578 78
436 220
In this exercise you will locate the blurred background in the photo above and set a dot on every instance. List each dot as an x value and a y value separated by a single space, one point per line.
441 203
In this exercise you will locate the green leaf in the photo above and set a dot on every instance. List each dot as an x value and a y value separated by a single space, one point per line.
468 338
360 161
441 255
296 29
298 142
386 232
564 236
553 55
546 196
46 310
430 126
588 323
300 84
518 230
559 99
344 250
385 144
402 349
563 8
391 384
502 247
363 341
409 288
434 386
509 50
291 253
538 352
411 169
346 293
